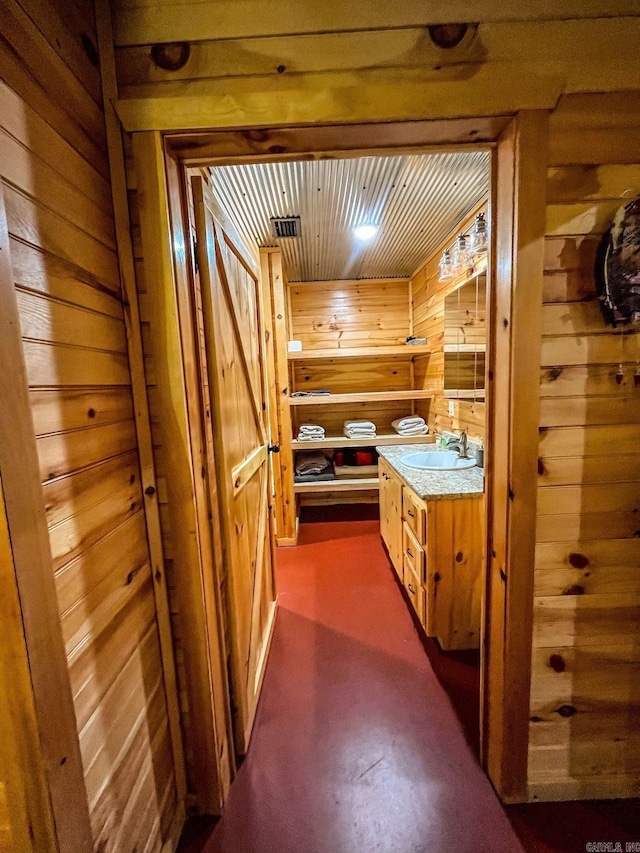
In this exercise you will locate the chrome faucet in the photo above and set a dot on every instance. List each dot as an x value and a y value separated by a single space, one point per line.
463 443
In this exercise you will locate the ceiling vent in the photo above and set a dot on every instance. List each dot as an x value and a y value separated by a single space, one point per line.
286 226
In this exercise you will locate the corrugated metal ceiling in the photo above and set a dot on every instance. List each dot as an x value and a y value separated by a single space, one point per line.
416 200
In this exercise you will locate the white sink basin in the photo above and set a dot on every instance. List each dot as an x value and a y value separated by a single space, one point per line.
437 460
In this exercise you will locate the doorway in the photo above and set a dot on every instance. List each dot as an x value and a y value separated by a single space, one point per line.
379 349
178 156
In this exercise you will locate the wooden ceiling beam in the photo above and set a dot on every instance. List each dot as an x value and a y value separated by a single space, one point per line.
344 97
146 21
583 49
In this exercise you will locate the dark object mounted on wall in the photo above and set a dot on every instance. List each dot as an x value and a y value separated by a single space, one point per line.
617 269
447 36
171 56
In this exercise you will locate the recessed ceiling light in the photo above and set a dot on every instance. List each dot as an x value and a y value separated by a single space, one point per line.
365 232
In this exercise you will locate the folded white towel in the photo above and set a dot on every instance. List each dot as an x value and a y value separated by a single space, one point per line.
419 430
360 434
311 428
307 437
359 425
407 422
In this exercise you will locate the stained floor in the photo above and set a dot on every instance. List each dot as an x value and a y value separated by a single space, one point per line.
365 739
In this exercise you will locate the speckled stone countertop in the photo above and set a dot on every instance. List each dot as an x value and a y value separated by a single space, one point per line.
433 485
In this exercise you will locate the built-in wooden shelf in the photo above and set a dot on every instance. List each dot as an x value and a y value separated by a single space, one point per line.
480 268
354 485
342 441
454 348
365 397
403 350
463 394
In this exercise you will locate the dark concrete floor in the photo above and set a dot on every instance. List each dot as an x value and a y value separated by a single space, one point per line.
363 742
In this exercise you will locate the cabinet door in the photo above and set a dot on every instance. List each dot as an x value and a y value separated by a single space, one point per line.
391 514
455 536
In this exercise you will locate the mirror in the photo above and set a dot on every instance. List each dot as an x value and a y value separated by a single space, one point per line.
465 339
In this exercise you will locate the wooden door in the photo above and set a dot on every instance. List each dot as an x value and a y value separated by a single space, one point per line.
235 352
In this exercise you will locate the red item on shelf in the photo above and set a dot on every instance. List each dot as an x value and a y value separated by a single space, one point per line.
364 457
338 457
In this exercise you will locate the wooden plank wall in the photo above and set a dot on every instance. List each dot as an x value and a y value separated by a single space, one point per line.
428 297
342 314
55 178
337 314
585 688
319 62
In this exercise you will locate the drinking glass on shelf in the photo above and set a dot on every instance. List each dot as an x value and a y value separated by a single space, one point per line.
446 266
461 257
478 242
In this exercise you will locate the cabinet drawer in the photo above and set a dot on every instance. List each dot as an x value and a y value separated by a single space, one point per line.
415 591
413 513
411 584
413 553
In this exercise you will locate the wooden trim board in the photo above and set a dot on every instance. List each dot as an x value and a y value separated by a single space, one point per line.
275 144
169 310
354 485
286 505
364 397
402 351
513 375
35 580
382 440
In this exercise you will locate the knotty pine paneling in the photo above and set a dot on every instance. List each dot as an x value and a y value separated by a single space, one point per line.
585 706
342 314
54 171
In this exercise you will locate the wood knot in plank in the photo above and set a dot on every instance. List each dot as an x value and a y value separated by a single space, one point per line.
578 561
566 710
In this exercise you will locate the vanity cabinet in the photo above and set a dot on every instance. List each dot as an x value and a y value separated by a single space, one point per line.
436 547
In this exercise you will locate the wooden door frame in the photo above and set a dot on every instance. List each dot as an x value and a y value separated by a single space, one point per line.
197 557
518 144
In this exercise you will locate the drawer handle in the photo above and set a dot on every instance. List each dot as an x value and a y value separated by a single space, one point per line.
409 553
410 588
410 514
